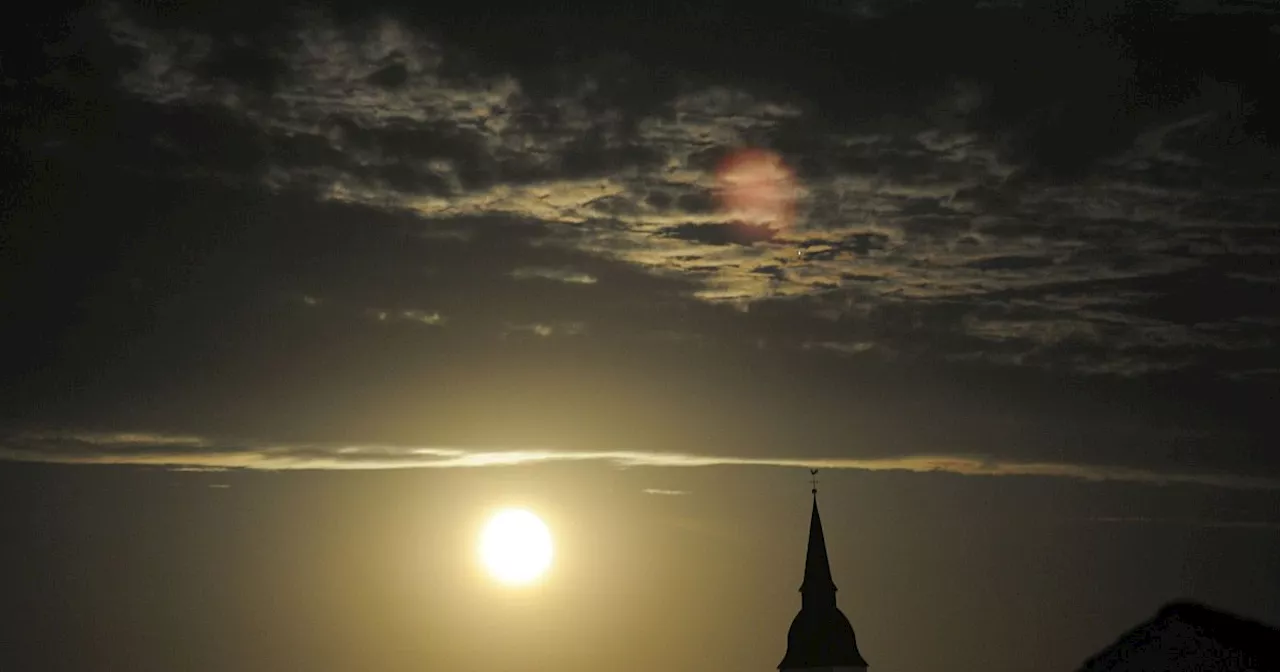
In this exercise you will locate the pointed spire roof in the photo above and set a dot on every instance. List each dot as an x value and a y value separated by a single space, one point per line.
820 635
817 586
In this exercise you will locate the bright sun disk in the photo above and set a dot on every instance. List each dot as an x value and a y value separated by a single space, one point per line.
515 546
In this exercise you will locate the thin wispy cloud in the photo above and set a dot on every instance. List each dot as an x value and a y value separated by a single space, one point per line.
557 274
412 316
189 452
547 329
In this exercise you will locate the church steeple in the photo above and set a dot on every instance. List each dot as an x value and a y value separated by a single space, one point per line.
817 588
820 637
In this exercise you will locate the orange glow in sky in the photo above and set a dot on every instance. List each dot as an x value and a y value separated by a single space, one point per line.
756 187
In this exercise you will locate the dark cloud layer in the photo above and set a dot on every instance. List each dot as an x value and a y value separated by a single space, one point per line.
389 224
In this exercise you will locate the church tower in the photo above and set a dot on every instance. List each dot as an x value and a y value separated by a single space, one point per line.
820 638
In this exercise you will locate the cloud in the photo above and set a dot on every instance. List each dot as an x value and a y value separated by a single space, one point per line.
414 316
658 491
843 348
557 274
937 198
469 193
544 329
188 452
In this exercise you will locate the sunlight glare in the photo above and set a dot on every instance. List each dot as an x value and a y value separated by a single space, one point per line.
516 546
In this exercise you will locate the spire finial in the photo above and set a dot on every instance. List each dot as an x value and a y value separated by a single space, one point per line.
813 479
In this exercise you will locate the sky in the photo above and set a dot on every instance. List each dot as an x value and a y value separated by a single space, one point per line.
296 295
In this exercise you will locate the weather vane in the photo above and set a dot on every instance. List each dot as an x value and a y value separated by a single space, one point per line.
813 479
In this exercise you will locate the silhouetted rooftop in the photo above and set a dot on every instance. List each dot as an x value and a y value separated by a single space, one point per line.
1189 636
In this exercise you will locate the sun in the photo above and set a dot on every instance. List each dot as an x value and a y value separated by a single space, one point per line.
516 546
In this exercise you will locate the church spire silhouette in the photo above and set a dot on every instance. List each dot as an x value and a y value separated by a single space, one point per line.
817 588
820 636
